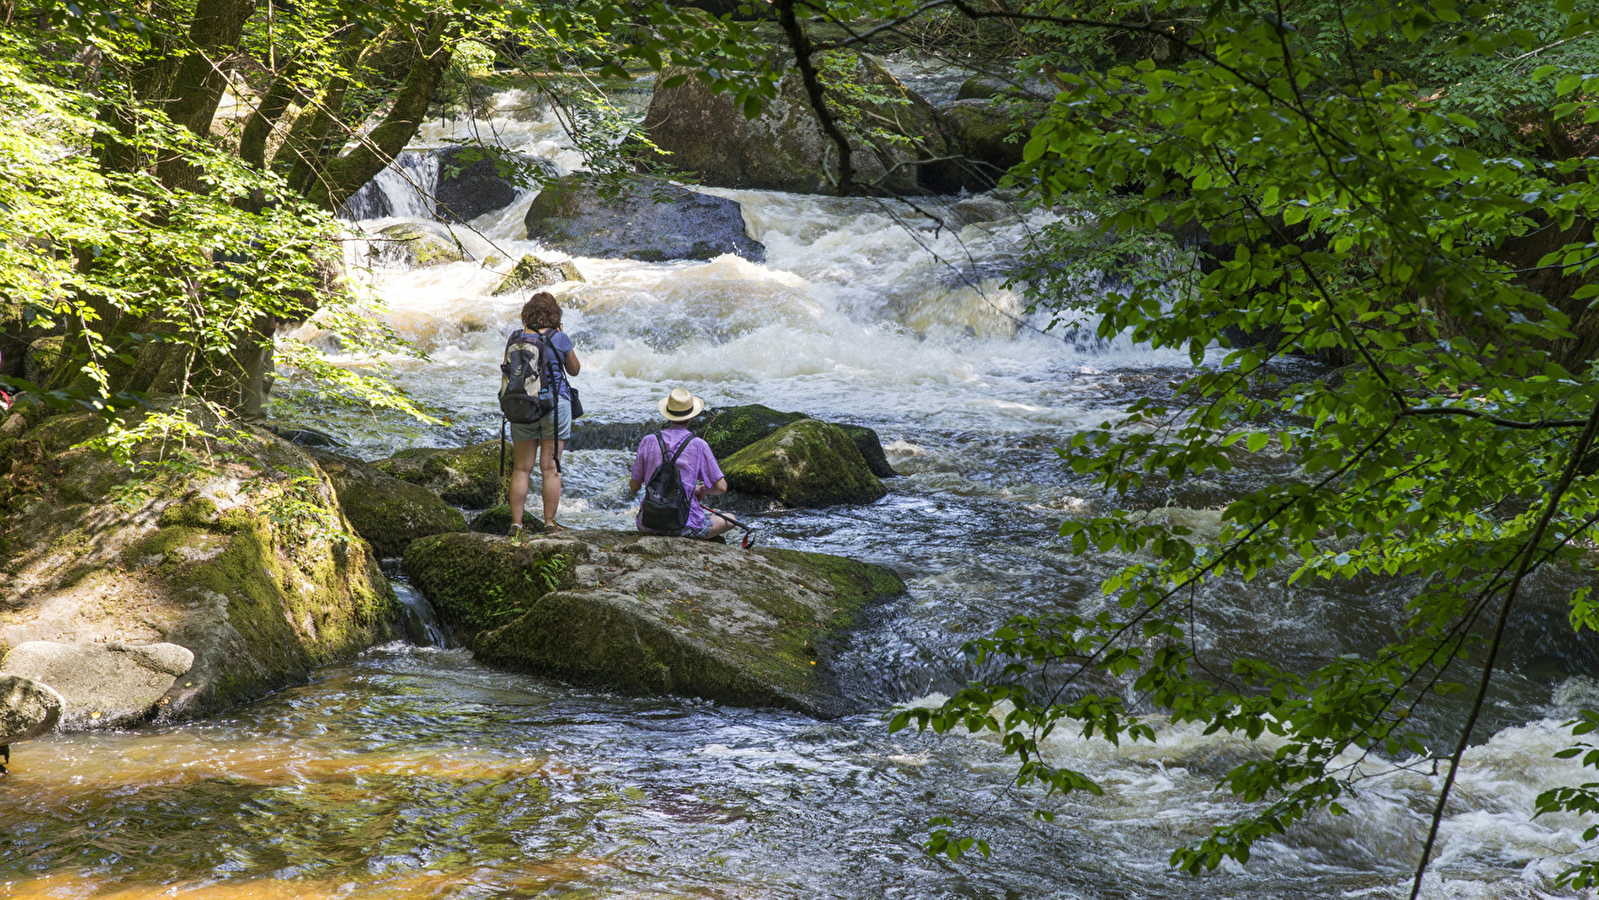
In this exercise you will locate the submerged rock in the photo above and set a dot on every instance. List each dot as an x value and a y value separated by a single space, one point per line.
531 272
785 149
653 614
808 463
245 560
28 709
732 428
389 512
467 477
648 220
106 685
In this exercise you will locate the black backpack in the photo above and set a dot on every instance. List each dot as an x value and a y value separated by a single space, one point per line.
525 395
666 505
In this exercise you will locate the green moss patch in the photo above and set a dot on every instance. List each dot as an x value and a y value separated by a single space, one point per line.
808 463
652 614
468 477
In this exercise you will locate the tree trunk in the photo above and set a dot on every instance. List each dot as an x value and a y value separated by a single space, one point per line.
346 174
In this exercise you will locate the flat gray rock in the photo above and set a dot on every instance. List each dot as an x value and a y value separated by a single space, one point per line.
28 709
101 685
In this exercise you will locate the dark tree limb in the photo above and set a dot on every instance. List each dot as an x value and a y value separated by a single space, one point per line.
344 175
800 43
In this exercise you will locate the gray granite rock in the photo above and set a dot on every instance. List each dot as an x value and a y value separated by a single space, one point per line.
28 708
101 685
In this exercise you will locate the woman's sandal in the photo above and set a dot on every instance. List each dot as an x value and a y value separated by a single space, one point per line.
555 528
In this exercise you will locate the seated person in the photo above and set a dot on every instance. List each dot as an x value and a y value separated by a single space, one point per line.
696 466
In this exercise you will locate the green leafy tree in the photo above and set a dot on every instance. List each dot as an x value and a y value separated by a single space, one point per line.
1371 194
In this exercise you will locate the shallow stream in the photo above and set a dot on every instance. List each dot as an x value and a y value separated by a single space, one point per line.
415 772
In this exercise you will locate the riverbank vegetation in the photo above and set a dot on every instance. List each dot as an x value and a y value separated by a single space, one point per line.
1401 190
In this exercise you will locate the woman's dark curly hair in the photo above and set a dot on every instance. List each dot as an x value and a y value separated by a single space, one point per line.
541 312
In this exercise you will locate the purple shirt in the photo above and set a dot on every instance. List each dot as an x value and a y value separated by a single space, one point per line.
697 465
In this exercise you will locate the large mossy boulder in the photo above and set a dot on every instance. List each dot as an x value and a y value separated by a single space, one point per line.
732 428
991 134
468 477
647 219
237 552
808 463
785 149
389 512
650 614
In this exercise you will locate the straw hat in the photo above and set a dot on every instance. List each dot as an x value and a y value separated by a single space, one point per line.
680 405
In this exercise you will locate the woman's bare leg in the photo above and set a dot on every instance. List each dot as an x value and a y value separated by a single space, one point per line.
522 453
551 477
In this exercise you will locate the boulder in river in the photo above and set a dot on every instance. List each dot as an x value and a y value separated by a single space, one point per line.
732 428
389 512
647 219
991 134
106 685
651 614
28 709
244 558
467 477
475 180
416 245
807 463
530 272
785 149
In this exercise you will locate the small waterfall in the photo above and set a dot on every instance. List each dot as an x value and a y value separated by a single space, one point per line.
404 189
422 626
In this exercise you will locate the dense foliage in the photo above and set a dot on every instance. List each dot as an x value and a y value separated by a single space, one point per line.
1371 190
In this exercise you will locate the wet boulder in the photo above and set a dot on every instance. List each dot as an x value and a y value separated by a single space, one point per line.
531 273
416 245
808 463
242 558
991 135
389 512
654 615
785 149
732 428
28 709
468 477
647 219
474 181
108 685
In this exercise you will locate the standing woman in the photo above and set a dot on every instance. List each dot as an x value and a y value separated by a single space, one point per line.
545 438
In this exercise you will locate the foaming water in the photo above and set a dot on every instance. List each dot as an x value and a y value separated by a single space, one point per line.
417 773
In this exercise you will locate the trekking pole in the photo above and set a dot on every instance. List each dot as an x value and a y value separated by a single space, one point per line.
749 533
502 447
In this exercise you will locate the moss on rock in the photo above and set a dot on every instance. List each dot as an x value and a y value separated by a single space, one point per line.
467 477
388 512
808 463
732 428
531 272
244 558
653 614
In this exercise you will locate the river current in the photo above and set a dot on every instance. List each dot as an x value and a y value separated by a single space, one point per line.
415 772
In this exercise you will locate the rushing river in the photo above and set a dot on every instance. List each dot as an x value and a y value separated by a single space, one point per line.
415 772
